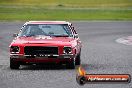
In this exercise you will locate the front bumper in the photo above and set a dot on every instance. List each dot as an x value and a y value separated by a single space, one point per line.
24 59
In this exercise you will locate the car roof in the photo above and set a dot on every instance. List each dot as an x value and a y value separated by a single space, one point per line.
48 22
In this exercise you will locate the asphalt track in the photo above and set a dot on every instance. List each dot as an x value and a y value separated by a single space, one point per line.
101 54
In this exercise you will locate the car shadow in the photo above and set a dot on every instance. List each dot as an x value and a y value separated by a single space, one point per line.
44 67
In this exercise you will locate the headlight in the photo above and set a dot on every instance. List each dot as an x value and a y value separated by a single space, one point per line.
14 49
67 50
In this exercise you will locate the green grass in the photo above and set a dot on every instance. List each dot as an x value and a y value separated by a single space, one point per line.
71 3
65 10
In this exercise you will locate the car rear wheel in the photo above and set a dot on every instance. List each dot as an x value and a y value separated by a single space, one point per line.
14 65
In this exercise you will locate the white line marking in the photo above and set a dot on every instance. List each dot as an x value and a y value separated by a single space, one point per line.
125 40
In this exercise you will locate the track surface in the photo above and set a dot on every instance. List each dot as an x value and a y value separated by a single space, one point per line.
100 54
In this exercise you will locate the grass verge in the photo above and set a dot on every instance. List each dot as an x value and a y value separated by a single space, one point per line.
65 10
64 14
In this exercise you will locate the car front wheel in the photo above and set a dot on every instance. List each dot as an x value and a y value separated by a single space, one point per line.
71 65
78 59
14 65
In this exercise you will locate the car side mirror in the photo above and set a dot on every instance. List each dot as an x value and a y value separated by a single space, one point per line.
15 35
76 36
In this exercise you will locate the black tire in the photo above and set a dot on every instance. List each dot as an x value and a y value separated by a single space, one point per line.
71 65
14 65
81 80
78 59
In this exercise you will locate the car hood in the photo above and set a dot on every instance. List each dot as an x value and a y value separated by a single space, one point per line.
44 40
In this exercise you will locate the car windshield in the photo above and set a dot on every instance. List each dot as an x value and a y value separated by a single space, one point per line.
57 30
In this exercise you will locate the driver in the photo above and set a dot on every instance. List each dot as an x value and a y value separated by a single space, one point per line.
35 30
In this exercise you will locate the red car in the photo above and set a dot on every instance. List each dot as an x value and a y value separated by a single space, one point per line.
41 42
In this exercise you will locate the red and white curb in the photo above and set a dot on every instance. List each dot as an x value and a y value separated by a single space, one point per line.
125 40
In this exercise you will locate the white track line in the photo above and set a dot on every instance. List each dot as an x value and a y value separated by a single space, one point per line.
125 40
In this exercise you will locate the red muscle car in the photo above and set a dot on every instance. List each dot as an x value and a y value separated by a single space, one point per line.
41 42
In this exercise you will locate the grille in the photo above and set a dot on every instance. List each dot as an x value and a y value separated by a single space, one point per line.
37 50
